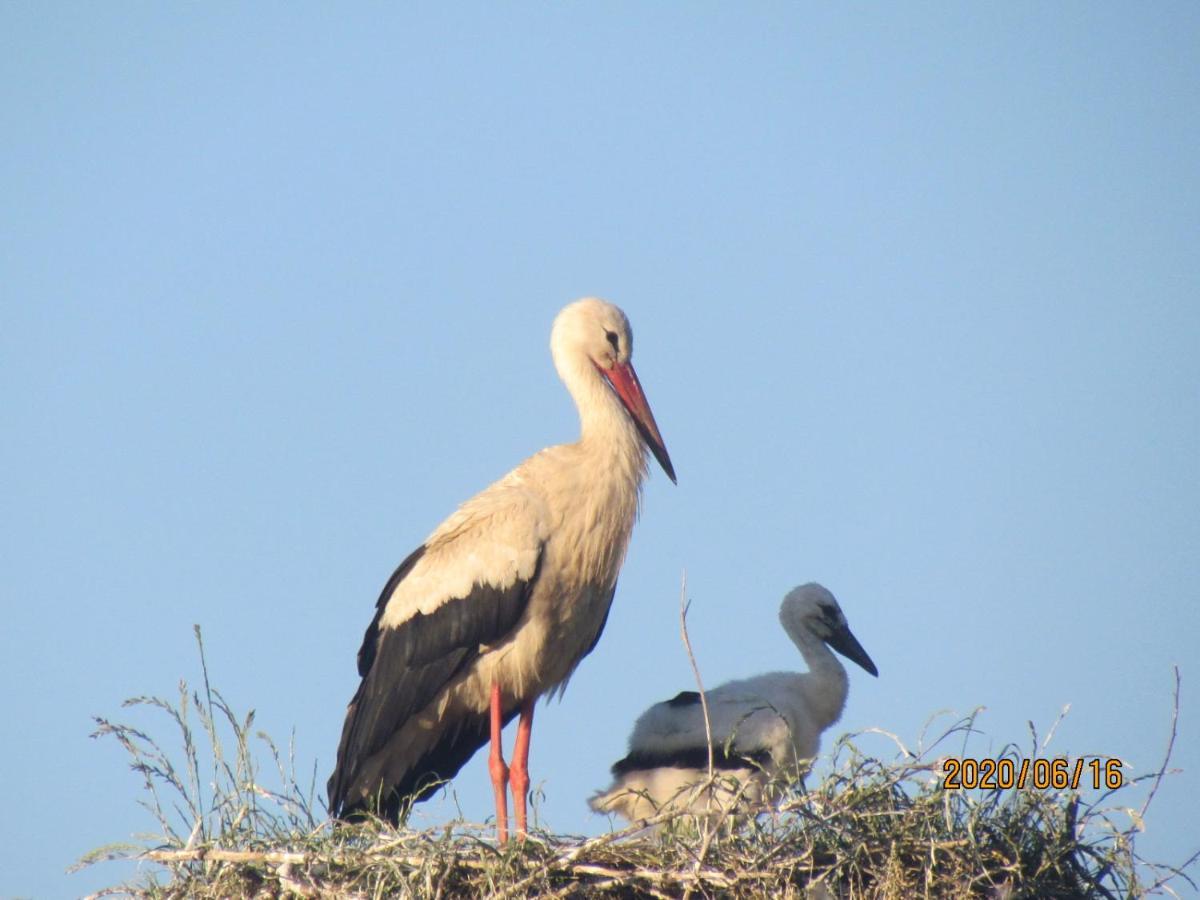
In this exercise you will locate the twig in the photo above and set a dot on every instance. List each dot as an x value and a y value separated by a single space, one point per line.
1170 747
709 825
1054 726
684 605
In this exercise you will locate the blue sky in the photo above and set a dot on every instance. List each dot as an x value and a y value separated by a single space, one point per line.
915 299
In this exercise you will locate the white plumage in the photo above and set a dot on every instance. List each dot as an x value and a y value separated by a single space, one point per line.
501 602
763 728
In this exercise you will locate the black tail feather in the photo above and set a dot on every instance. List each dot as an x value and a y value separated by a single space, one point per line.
443 761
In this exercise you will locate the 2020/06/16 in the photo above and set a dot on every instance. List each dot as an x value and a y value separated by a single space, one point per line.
1001 774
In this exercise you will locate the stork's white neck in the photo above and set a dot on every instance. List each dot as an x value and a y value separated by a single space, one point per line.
826 684
607 432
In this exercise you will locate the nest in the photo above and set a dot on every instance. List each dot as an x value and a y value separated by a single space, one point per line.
868 828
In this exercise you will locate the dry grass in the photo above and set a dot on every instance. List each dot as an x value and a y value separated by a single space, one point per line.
869 828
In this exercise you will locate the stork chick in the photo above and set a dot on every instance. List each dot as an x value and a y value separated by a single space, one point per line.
764 728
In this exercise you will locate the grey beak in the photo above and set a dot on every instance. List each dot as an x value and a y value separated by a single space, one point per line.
844 642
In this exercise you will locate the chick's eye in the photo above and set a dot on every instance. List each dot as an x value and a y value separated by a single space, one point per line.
613 340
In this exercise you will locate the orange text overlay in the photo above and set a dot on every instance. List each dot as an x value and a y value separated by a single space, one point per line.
1040 774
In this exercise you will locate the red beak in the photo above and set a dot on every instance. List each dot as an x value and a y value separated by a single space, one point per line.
625 382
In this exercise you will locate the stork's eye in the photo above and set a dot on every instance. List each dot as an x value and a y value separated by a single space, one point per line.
614 340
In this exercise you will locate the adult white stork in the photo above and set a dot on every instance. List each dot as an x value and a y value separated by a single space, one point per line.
501 602
762 727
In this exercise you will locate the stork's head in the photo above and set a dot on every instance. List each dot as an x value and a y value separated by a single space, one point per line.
813 609
592 336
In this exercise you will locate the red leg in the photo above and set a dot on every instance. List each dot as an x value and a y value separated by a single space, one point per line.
520 766
497 768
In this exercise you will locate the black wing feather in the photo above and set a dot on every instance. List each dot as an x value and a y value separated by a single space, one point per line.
366 653
688 758
403 669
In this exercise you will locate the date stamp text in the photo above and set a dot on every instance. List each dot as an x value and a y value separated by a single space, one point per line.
1040 774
